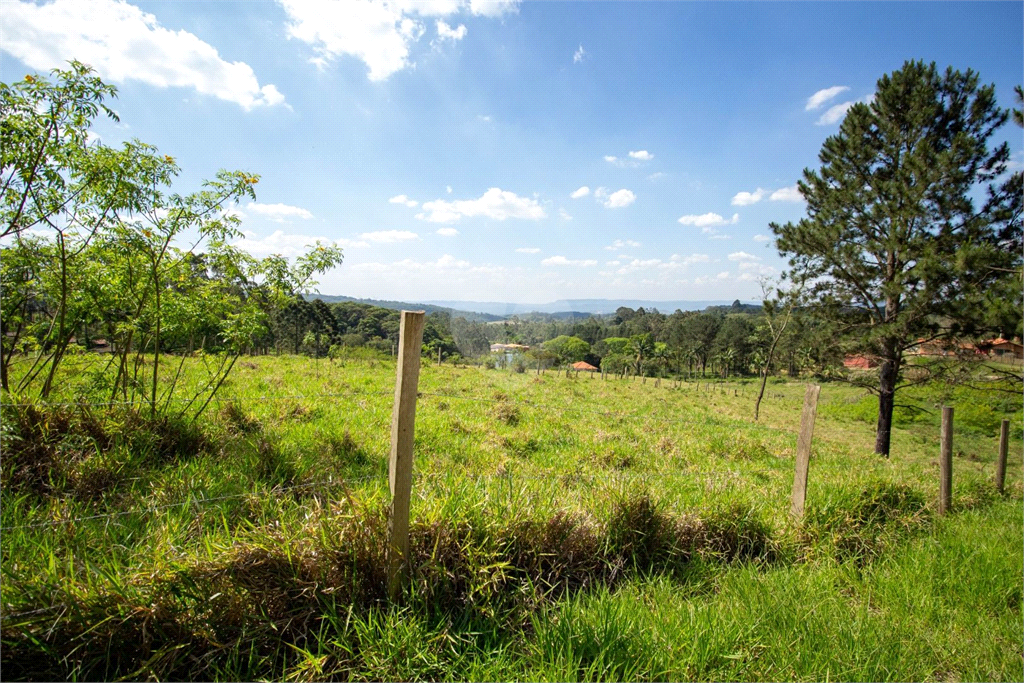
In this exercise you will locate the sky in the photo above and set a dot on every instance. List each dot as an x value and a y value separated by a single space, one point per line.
509 151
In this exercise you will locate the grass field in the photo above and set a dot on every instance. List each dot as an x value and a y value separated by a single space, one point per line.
563 529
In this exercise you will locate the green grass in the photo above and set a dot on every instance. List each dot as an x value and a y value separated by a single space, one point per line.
562 529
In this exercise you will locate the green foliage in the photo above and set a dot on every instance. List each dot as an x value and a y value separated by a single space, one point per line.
567 350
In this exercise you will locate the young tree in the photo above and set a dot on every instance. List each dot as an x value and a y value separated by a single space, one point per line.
893 243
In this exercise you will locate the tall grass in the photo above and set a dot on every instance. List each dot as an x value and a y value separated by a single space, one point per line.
555 522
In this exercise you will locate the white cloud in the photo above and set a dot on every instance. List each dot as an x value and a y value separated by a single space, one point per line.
622 244
822 96
447 232
562 261
528 250
642 155
691 259
448 189
743 256
751 272
496 204
378 34
485 119
279 213
619 199
748 198
610 159
564 214
581 192
389 236
123 43
446 32
402 199
579 54
787 194
708 219
493 8
656 175
762 238
286 245
835 113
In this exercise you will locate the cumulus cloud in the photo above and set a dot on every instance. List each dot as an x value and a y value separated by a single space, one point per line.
748 198
622 244
762 238
708 219
287 245
389 236
562 261
581 192
402 199
787 194
691 259
743 256
493 8
565 215
447 232
579 55
279 213
822 96
528 250
610 159
642 155
380 34
752 272
619 199
446 32
496 204
123 43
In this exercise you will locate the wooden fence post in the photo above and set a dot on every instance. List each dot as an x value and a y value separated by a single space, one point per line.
403 424
946 461
803 450
1004 445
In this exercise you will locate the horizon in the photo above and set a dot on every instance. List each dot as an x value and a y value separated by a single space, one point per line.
509 152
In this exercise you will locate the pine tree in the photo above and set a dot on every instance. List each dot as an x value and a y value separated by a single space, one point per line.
893 240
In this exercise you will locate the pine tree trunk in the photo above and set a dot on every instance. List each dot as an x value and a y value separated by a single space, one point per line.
886 400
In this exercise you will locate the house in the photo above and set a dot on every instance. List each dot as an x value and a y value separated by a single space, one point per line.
508 348
1003 348
584 366
860 362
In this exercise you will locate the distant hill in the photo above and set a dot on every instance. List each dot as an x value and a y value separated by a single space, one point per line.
407 306
581 307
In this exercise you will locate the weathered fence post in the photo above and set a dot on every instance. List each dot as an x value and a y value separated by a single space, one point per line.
403 424
1004 444
803 450
946 461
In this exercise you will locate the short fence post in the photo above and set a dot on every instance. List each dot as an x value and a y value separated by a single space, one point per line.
403 424
803 450
1004 444
946 461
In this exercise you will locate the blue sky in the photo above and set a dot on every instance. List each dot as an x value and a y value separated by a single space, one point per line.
521 152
